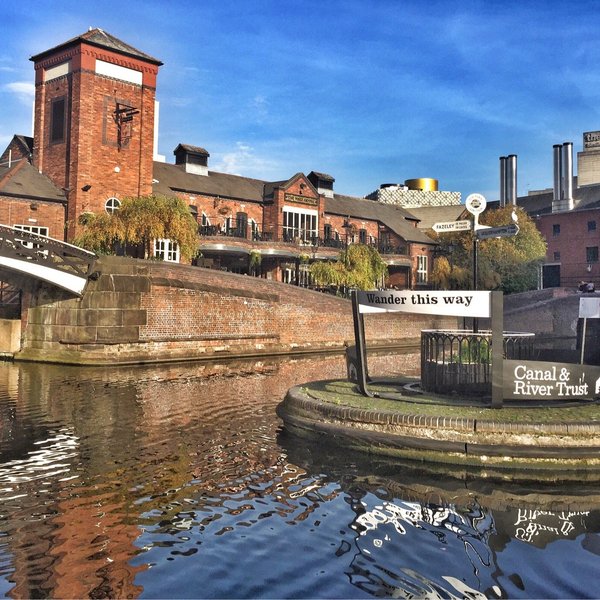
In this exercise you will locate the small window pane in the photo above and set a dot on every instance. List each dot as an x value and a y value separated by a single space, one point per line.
57 123
112 205
591 253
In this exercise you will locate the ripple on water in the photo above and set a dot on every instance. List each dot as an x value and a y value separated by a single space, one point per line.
174 481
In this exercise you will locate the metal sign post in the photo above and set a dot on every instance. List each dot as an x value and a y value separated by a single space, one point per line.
475 204
589 308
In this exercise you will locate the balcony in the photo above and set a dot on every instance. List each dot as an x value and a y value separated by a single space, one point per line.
242 230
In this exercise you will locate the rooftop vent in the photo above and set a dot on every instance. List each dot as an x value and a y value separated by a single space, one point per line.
193 158
323 183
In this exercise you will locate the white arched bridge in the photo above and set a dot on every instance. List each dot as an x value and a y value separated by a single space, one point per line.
57 263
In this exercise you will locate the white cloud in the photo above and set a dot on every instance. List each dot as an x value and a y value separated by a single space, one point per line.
260 106
244 161
24 91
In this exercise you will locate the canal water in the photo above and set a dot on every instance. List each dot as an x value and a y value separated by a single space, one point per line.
177 481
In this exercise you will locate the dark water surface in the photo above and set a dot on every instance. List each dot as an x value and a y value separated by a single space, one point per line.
177 481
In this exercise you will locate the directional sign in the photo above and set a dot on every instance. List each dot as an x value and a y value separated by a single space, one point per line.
497 232
452 226
475 203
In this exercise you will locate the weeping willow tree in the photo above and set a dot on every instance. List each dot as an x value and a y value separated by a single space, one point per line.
140 221
359 267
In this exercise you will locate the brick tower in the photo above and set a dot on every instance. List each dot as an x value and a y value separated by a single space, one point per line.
94 121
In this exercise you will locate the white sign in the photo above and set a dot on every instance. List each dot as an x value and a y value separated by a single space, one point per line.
496 232
589 308
475 203
452 226
447 303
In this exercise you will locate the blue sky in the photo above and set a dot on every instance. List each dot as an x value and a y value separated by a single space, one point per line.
370 92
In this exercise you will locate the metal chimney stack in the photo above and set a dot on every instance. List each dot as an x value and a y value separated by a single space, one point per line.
557 161
567 174
563 177
502 181
511 179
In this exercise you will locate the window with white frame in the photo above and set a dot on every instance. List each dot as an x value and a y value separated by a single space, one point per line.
300 224
422 269
166 250
37 229
112 205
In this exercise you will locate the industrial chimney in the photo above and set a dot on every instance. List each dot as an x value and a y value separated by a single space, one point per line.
562 198
502 181
508 180
511 179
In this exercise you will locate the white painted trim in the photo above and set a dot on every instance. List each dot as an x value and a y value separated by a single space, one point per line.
57 71
118 72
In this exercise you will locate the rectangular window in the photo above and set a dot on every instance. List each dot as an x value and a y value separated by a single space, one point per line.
421 269
300 225
32 229
166 250
362 236
591 225
591 254
57 121
557 256
556 229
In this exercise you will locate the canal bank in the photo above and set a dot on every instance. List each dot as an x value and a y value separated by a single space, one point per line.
554 442
137 311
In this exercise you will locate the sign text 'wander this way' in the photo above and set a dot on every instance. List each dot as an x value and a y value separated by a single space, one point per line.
449 303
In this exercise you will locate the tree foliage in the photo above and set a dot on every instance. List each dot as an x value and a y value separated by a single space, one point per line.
139 221
509 264
359 267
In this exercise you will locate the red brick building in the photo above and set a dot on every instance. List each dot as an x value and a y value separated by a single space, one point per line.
95 143
568 216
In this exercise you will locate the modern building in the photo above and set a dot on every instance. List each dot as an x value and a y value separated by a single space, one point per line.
95 143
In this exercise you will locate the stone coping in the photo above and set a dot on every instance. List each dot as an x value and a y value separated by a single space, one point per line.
561 440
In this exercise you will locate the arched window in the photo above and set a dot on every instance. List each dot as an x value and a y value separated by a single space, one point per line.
112 205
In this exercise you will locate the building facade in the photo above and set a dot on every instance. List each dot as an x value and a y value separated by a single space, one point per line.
568 216
95 143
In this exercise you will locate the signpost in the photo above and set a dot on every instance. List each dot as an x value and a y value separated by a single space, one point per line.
497 232
475 204
589 308
449 226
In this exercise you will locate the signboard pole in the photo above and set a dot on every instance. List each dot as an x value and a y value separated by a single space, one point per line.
475 268
497 314
361 353
583 340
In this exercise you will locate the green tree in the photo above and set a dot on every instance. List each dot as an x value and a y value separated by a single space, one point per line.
141 221
359 266
509 264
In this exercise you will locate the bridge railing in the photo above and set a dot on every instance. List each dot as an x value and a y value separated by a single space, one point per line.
46 258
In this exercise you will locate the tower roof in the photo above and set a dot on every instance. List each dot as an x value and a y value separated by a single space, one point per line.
102 39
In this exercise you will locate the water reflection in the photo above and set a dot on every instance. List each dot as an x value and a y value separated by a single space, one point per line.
177 481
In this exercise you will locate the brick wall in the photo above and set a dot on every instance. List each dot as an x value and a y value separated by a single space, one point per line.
35 213
143 311
89 156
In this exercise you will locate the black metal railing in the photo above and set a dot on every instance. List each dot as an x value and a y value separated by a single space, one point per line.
242 229
460 360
